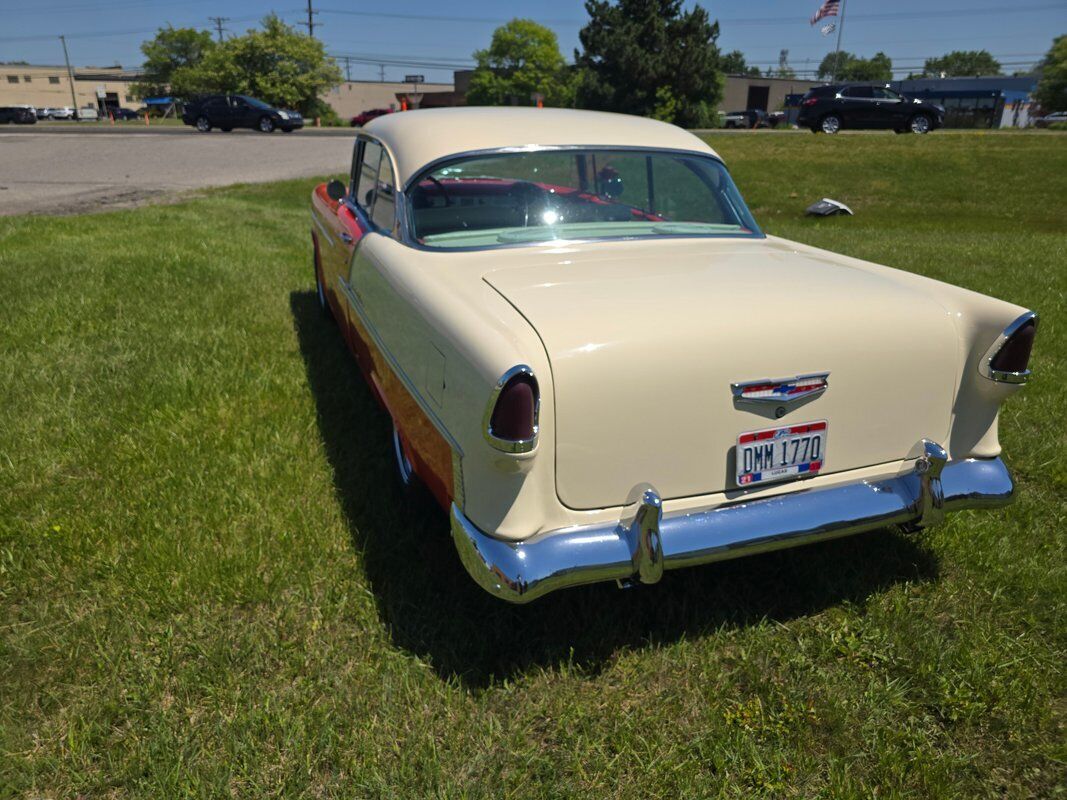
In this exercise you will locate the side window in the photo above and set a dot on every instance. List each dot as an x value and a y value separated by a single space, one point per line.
368 175
885 94
861 92
384 213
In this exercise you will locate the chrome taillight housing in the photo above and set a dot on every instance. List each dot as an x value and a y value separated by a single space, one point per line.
511 418
1008 359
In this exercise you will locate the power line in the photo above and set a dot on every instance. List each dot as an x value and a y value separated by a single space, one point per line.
968 12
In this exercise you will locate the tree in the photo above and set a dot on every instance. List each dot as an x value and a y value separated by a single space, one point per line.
522 58
275 64
1051 92
853 68
648 57
962 63
733 63
171 49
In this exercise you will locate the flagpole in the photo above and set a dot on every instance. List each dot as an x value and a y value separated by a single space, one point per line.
840 30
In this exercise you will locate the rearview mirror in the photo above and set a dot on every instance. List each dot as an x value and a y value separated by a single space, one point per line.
336 190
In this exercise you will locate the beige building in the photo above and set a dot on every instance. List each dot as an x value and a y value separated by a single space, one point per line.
354 97
50 86
743 92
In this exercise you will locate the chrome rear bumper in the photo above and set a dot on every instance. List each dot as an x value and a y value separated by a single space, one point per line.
645 541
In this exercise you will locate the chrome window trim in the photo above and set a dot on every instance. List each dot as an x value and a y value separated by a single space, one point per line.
398 231
985 364
404 209
512 445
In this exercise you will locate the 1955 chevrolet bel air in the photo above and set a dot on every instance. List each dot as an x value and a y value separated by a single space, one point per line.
601 367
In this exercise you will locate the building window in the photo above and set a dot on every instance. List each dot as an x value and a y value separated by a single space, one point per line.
53 79
27 78
12 78
129 98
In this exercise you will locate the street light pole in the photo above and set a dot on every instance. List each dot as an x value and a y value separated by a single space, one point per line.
70 75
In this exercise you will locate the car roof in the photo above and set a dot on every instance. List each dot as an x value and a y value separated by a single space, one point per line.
419 138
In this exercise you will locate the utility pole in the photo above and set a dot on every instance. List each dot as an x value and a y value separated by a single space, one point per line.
837 52
218 25
381 73
348 69
311 20
70 75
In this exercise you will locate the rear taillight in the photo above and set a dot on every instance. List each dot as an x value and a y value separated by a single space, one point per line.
511 419
810 101
1008 360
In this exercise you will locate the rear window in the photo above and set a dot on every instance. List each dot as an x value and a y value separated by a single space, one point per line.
515 198
820 91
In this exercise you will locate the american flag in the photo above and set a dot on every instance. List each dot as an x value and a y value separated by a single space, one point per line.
827 9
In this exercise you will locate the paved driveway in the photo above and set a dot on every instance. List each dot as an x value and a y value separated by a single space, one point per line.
61 173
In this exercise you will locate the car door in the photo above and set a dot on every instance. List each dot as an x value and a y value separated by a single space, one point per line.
890 110
341 226
241 112
858 106
217 112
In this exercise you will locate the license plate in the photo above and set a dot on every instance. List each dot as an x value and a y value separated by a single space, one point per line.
775 454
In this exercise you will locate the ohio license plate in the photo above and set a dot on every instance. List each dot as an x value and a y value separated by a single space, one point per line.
775 454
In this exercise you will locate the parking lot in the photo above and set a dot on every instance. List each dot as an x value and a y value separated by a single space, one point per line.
53 172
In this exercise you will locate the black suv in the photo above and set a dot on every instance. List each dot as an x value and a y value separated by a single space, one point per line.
20 115
831 108
229 111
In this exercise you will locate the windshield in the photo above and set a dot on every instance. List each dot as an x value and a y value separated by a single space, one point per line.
514 198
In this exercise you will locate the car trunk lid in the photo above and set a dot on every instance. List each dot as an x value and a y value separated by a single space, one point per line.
645 340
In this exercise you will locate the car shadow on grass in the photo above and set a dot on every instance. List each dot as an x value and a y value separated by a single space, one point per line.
434 610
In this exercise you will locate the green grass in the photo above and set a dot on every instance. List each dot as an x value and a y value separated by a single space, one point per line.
210 584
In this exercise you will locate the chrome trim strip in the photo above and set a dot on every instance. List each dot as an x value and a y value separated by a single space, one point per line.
357 306
630 550
985 365
512 445
322 228
539 148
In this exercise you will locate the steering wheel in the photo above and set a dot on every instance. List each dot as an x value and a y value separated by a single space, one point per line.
441 189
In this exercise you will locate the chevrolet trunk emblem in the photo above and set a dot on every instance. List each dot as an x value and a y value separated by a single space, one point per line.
781 392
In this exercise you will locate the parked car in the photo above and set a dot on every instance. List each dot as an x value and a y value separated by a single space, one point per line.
364 117
600 365
751 118
227 112
87 114
1049 119
20 115
829 109
122 113
64 112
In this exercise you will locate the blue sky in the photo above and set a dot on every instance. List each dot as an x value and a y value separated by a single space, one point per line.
103 33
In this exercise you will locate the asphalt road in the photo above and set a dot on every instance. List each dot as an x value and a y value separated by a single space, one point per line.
47 172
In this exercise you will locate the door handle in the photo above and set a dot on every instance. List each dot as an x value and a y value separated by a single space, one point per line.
346 237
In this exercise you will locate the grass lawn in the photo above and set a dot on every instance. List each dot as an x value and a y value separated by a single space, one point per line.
211 585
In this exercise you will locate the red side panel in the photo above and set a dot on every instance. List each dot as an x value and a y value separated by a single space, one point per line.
429 452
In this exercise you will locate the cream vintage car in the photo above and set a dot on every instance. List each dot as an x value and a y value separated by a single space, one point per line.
598 363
